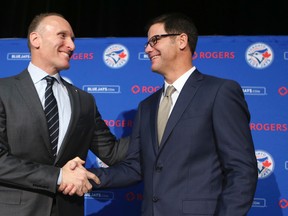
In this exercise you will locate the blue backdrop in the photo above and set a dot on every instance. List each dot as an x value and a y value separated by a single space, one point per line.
117 72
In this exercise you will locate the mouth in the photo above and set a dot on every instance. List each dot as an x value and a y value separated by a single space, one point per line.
67 54
153 57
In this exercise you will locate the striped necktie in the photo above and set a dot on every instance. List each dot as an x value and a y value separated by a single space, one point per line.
51 112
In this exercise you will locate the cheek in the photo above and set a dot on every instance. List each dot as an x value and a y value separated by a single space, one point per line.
168 56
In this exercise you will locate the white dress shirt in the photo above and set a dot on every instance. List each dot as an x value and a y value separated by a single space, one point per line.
178 85
61 95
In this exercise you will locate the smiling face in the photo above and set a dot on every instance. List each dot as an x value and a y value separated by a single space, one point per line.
169 52
163 54
52 44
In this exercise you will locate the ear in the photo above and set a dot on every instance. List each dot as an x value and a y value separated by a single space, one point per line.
34 40
183 41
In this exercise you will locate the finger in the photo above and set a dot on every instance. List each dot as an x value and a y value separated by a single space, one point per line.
62 187
81 167
88 186
70 189
79 192
78 160
85 190
93 177
72 165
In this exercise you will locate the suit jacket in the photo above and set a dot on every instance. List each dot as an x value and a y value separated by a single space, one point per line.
28 172
206 162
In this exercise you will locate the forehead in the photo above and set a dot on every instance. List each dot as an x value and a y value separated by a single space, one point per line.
56 24
156 29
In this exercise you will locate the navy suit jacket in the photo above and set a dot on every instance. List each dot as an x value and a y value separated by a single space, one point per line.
206 162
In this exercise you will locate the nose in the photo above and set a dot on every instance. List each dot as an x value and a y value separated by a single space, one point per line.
71 44
148 48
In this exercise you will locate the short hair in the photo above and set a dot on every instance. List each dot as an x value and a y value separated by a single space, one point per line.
36 21
178 23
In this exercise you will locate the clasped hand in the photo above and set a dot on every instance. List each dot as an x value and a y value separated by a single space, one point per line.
75 178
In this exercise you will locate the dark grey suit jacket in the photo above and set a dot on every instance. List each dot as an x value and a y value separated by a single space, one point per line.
206 162
28 173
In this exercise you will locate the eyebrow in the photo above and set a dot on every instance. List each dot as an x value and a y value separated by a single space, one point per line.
66 33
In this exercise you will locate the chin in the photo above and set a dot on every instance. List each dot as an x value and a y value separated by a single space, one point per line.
65 67
154 69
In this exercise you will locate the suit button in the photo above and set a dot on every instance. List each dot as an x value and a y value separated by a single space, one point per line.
155 199
159 168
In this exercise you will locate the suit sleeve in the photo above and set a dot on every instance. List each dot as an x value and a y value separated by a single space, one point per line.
235 146
104 144
21 173
128 171
26 174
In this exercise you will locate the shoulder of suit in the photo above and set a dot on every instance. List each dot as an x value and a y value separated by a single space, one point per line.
73 87
9 79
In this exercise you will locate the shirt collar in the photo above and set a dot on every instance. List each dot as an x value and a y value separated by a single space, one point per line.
180 82
37 74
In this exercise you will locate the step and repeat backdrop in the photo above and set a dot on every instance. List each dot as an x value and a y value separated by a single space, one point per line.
117 72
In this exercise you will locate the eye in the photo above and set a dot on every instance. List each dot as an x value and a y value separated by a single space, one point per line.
62 35
154 39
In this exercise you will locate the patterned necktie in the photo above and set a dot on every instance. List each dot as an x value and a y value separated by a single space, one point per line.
163 112
51 112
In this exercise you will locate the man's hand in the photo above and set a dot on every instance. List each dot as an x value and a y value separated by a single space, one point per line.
75 178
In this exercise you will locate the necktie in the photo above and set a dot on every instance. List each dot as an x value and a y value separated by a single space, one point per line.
51 112
163 112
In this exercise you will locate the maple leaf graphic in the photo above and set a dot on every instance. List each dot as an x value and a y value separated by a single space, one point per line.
266 163
122 55
266 55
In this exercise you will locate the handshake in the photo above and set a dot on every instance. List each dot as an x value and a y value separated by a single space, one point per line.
75 178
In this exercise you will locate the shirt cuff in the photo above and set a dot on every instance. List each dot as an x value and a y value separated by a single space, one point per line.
59 177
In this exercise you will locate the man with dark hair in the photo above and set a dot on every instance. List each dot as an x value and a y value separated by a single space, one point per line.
191 143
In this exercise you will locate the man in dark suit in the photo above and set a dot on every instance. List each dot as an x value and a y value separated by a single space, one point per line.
30 172
205 163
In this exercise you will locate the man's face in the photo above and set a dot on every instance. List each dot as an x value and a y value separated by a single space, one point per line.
56 45
162 53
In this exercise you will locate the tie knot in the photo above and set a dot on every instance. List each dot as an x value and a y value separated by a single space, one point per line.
50 80
170 90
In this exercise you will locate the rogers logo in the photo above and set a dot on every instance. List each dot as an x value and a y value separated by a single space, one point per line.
283 91
214 55
118 123
283 203
82 56
268 127
131 196
136 89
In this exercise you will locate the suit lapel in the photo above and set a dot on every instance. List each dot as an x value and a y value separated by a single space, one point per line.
153 119
74 102
29 94
185 97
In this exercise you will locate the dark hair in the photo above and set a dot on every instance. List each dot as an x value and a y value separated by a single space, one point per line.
37 20
178 23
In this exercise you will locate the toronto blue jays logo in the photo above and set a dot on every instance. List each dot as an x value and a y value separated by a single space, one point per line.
265 164
259 55
116 56
100 163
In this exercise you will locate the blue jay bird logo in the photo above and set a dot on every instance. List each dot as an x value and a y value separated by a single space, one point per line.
265 164
259 55
116 56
